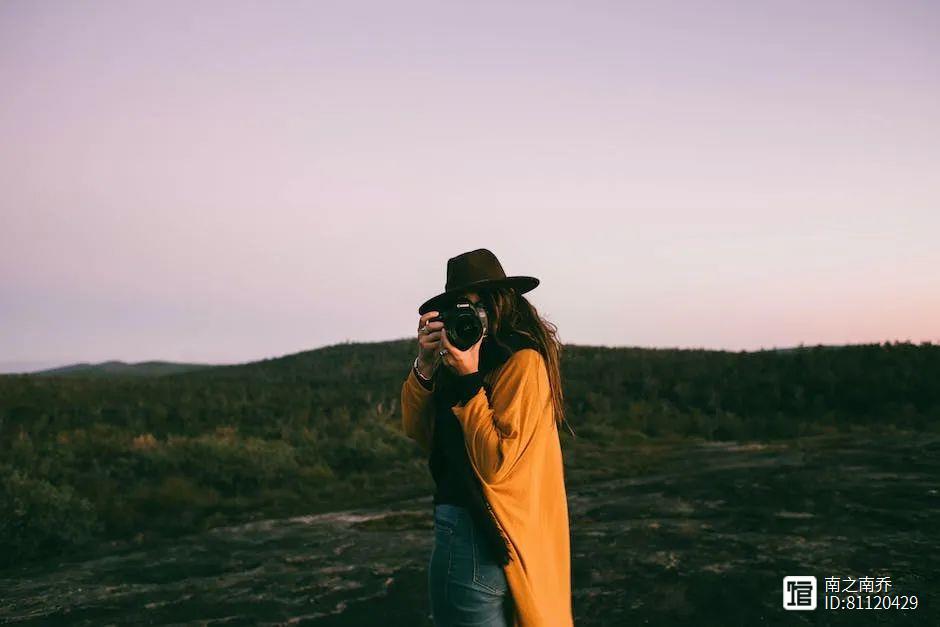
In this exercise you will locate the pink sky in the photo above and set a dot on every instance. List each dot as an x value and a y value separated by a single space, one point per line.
228 181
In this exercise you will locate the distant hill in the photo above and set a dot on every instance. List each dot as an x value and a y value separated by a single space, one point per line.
308 357
25 367
121 368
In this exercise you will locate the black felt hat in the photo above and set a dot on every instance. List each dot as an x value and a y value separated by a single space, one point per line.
475 270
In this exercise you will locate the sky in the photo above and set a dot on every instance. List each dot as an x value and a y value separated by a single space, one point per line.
222 182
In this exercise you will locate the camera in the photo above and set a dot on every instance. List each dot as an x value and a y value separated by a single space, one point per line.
464 322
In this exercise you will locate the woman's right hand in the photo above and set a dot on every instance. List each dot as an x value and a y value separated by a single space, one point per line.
429 342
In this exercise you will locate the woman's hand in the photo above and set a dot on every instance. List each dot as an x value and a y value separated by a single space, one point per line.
429 342
463 362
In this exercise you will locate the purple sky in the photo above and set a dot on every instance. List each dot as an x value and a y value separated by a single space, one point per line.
227 181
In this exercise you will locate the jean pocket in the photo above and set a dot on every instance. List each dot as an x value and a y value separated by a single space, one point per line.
443 528
445 522
487 572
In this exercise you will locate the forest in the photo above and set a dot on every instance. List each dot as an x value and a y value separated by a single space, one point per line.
89 456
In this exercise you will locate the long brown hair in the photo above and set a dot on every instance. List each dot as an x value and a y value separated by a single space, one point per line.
508 312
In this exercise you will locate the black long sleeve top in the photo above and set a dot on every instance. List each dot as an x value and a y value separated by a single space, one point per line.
449 463
446 467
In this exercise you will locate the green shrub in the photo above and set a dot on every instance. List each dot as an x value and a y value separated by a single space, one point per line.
38 518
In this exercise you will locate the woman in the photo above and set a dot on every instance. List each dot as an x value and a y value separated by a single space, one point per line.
489 418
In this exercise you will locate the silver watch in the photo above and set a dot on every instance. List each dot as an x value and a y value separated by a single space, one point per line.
418 372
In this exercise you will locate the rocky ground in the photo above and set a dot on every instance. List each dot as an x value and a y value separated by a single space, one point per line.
702 536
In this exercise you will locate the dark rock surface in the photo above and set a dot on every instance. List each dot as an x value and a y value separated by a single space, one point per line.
704 538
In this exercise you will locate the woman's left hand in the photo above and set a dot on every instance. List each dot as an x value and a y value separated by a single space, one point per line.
462 362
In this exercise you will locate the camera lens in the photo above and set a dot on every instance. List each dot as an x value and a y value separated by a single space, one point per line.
464 327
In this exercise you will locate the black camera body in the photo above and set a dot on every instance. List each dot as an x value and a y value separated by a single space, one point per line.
464 322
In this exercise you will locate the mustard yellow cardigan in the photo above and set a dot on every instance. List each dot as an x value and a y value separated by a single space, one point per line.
514 448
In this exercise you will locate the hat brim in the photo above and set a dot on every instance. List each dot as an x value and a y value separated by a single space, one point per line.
522 284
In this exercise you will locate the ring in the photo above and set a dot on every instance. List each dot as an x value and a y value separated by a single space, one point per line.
423 330
442 352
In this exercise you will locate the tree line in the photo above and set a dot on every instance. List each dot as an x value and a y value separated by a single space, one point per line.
91 457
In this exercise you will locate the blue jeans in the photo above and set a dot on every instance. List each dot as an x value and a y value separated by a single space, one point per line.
467 585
